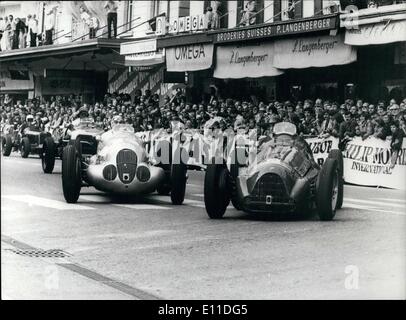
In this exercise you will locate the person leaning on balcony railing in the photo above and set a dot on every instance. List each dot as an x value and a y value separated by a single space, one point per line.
2 27
248 14
32 30
49 26
111 8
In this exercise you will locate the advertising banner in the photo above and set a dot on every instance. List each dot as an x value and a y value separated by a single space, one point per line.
251 61
322 147
376 33
190 57
369 163
322 51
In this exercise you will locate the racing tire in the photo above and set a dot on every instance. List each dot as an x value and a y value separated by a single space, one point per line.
178 182
48 155
327 190
7 145
337 154
71 174
216 191
234 174
25 147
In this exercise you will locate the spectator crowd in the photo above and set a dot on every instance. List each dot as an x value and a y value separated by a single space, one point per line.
323 118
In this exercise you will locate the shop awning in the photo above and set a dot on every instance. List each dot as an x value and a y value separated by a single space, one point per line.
142 53
307 52
145 62
249 61
374 26
191 57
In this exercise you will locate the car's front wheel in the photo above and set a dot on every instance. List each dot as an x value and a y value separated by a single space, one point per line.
48 155
216 190
178 181
25 147
7 145
71 174
327 190
337 154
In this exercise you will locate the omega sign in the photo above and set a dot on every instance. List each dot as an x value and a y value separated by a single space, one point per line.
181 24
190 57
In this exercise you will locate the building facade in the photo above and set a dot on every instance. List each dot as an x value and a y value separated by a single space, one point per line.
269 49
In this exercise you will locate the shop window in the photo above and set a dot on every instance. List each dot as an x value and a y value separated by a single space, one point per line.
330 6
277 6
288 8
220 9
184 8
318 7
129 14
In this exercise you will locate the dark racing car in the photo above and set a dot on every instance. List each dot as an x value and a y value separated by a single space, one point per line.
283 179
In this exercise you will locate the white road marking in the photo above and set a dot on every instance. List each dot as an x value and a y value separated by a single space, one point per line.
194 185
392 200
95 198
375 203
400 213
22 162
135 206
44 202
367 208
354 206
140 206
201 195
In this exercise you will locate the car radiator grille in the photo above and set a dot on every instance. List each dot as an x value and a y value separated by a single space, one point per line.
126 165
109 172
270 184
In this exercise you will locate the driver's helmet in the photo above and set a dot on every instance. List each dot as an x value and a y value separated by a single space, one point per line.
30 118
117 120
285 128
83 113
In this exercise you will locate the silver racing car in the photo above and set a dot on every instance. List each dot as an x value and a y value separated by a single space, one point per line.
116 162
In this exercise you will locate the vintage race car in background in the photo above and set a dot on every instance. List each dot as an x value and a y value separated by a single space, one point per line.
32 141
283 179
53 146
29 141
10 139
116 162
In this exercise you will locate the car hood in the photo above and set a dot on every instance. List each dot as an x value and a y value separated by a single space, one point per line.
88 132
276 166
111 144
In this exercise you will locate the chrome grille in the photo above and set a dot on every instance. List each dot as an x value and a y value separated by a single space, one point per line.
270 184
109 172
126 165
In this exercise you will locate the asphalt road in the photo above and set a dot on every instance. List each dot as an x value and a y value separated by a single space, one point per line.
116 249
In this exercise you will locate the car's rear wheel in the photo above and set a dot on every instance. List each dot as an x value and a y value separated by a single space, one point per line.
25 147
234 169
337 154
178 181
216 190
7 145
48 155
71 174
327 190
